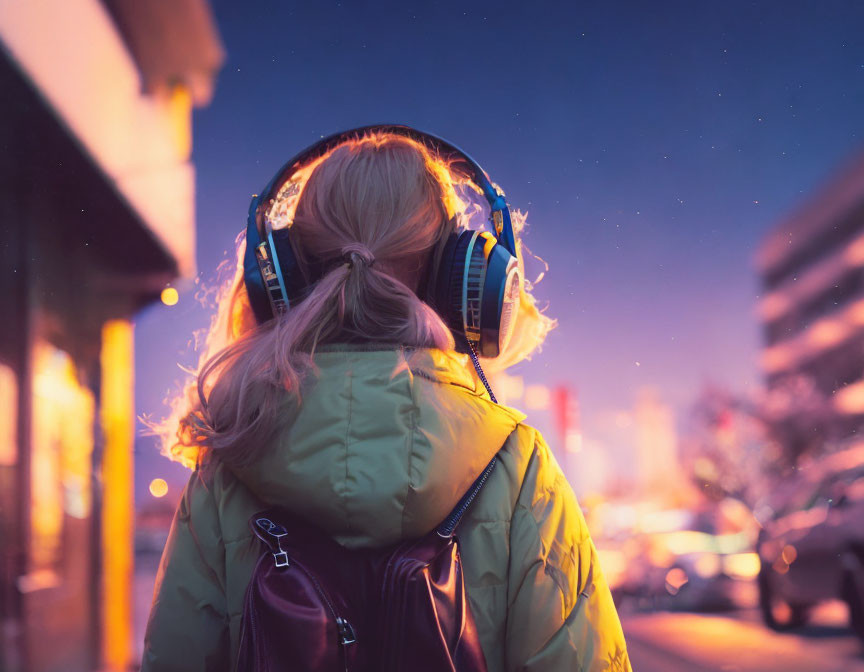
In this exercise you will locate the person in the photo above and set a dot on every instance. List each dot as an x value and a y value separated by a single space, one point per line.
355 411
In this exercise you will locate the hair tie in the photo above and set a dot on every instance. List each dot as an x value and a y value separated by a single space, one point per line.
358 253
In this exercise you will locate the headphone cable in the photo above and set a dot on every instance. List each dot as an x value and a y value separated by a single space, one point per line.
479 370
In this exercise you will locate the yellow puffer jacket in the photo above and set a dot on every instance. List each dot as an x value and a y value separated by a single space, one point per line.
384 444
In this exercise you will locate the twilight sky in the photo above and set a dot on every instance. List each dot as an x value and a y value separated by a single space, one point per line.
652 146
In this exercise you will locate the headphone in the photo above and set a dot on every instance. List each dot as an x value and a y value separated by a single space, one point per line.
475 288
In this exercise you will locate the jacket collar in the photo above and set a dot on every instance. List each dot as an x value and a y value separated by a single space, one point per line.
442 366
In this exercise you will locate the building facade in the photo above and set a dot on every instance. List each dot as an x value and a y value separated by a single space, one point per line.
97 217
812 307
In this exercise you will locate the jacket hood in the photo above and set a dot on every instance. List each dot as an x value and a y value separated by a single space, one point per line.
383 443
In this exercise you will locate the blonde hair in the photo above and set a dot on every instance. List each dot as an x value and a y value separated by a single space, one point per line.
370 222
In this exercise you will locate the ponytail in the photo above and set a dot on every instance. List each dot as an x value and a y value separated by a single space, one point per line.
369 213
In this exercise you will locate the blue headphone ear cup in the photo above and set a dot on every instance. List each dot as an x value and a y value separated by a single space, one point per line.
256 287
265 293
500 301
296 287
474 289
446 291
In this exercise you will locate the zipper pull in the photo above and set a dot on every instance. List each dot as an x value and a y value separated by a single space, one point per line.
346 632
275 531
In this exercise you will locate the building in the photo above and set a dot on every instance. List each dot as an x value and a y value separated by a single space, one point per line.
659 465
97 217
812 307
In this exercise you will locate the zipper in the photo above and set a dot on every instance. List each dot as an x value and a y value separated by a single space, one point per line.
343 627
250 627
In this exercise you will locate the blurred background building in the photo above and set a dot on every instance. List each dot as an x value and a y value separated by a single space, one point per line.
97 219
812 311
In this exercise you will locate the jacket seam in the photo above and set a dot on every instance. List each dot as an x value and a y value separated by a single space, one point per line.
411 435
510 530
350 384
544 558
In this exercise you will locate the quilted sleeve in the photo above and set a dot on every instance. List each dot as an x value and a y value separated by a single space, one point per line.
560 610
188 626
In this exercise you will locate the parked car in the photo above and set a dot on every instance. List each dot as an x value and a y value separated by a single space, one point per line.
673 559
812 548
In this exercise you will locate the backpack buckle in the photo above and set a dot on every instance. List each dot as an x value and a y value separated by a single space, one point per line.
275 532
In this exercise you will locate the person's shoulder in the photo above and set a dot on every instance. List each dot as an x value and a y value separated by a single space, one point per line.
197 505
527 448
212 479
217 498
543 488
201 502
548 522
532 469
518 450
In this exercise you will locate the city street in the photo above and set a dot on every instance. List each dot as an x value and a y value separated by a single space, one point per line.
686 642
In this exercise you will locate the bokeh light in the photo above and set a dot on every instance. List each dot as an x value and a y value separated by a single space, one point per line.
169 296
158 487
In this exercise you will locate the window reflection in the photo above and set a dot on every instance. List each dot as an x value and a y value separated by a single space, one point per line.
63 414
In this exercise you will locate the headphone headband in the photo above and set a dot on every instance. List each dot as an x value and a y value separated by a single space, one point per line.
475 289
497 203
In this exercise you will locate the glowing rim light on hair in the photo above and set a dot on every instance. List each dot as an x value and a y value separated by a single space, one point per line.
282 208
232 317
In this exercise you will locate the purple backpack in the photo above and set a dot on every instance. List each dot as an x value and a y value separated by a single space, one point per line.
314 605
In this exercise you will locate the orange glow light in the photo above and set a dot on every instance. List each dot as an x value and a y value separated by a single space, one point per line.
707 565
780 565
855 252
773 305
742 565
675 580
8 416
169 296
850 399
828 332
777 357
158 487
118 427
537 397
855 312
573 442
789 554
62 448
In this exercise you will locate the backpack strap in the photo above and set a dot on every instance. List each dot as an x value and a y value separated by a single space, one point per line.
446 528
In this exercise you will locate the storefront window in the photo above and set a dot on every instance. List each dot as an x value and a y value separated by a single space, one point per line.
63 415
